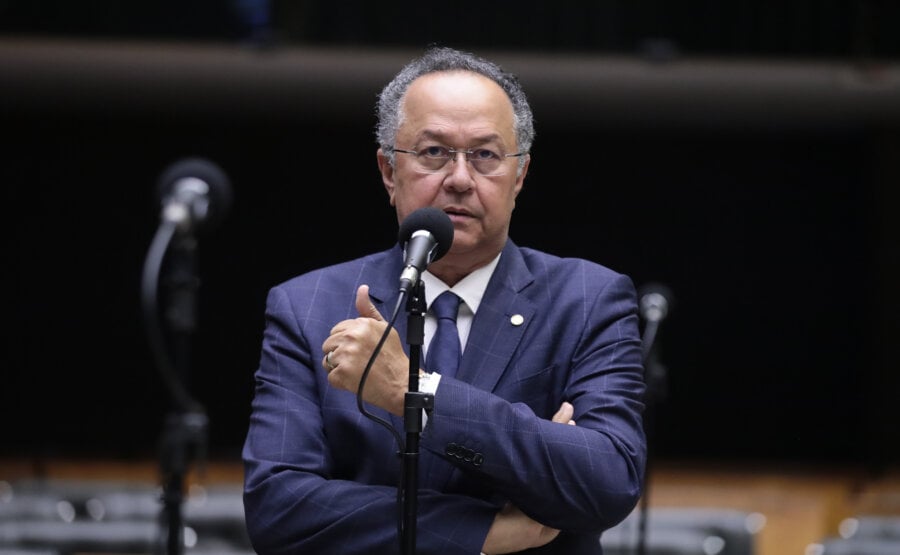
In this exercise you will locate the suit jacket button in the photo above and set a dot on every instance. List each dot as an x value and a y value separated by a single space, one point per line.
452 449
478 459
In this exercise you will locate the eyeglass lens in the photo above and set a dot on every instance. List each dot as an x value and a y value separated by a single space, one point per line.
484 160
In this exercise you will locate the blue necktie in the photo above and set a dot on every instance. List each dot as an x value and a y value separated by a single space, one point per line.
444 351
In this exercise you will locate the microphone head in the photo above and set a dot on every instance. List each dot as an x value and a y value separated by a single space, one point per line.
200 183
654 302
432 220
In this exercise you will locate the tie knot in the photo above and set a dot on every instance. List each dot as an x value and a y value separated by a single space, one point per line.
446 305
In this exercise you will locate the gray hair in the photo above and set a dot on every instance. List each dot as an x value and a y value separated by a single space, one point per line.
437 59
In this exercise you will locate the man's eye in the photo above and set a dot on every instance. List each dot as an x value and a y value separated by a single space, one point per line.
484 154
434 152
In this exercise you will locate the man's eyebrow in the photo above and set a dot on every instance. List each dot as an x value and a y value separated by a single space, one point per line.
437 135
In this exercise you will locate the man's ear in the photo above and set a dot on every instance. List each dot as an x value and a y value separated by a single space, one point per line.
520 179
387 174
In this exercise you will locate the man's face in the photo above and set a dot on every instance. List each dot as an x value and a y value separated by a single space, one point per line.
463 111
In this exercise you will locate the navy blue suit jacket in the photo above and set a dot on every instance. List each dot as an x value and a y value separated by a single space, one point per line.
321 478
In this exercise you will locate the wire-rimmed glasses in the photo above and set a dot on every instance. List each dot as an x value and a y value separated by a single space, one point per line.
485 161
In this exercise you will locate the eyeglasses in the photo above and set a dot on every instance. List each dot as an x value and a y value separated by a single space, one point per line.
485 161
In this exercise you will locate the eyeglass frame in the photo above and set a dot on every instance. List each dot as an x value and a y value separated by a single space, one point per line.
453 156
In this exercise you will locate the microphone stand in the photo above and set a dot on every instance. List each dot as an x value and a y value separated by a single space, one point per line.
184 436
415 402
654 376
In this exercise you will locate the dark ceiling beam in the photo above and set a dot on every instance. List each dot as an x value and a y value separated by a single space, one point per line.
302 83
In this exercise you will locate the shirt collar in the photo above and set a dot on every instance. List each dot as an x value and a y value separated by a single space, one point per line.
470 288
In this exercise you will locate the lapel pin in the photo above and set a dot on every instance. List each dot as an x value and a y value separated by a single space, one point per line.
516 319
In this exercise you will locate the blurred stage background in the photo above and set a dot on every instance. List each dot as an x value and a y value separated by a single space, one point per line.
746 156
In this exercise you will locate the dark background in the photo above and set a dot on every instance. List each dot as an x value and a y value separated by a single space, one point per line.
711 147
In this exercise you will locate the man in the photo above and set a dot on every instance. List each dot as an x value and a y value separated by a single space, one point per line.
547 342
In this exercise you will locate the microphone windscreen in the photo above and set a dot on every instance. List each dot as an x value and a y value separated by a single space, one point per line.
655 301
199 168
433 220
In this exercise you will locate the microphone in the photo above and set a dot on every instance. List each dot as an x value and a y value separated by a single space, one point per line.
655 301
654 304
195 194
426 235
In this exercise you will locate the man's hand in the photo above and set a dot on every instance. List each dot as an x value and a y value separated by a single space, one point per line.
564 414
349 348
512 529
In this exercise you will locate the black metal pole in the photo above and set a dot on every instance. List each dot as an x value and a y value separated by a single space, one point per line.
415 402
184 436
655 378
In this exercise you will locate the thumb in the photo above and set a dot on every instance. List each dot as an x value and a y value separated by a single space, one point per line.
364 306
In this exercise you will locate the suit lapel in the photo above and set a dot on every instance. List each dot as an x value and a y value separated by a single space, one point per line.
501 321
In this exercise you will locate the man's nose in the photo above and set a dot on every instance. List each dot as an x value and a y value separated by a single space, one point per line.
461 174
